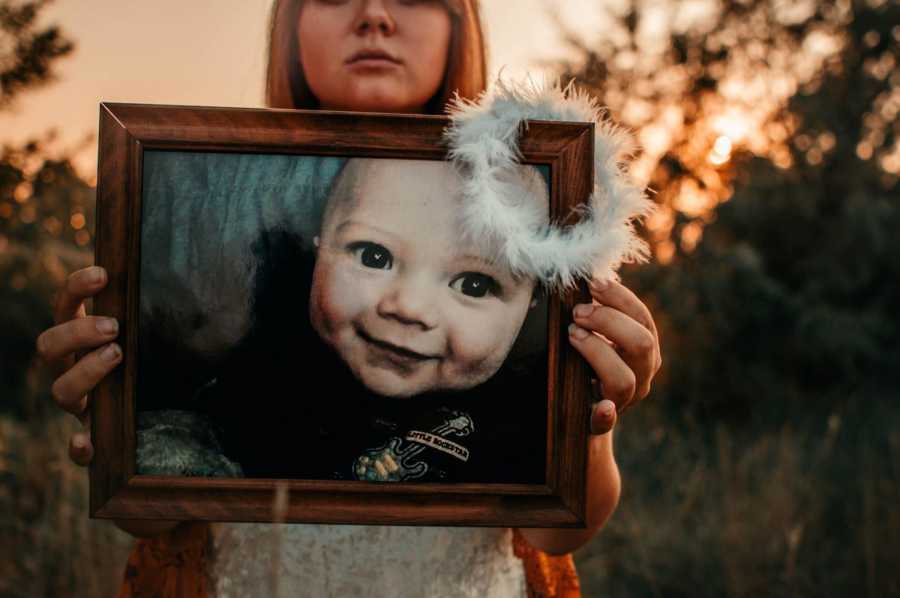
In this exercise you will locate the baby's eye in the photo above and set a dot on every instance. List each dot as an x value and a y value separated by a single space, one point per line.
475 284
372 255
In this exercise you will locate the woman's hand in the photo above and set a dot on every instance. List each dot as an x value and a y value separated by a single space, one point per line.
618 338
76 331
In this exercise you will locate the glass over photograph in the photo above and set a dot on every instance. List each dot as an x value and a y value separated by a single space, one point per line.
312 317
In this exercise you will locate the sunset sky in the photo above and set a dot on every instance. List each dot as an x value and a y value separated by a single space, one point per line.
211 53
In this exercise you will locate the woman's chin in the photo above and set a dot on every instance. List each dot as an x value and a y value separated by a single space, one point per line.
372 96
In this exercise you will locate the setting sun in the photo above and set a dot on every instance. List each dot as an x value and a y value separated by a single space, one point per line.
721 150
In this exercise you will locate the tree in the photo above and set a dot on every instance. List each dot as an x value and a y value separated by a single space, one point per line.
27 56
46 210
766 462
46 219
770 137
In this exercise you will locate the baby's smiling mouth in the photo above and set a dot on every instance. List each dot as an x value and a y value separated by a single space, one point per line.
402 352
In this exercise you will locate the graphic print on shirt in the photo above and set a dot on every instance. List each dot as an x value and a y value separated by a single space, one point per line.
401 459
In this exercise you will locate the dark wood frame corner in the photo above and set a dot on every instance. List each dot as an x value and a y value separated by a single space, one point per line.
126 130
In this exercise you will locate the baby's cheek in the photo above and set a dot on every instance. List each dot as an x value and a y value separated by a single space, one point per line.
329 297
352 293
479 340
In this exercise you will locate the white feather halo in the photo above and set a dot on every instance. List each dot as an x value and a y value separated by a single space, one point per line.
483 140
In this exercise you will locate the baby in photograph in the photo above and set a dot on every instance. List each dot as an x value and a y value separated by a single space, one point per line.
406 304
379 348
395 292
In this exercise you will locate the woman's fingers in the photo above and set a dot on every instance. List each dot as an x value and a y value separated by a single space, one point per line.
81 451
80 285
71 388
56 345
636 343
603 417
86 332
620 297
616 378
75 331
618 338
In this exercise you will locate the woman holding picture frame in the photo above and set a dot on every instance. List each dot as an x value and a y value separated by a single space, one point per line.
378 56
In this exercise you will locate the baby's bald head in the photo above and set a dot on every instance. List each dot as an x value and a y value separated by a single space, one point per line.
360 175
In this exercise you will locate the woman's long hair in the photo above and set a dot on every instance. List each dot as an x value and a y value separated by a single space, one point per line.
466 72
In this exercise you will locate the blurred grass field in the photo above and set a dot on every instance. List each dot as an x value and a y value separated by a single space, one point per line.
806 507
49 546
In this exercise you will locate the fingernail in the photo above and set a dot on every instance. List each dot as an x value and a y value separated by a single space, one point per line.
583 310
111 352
606 407
578 332
108 326
78 442
97 274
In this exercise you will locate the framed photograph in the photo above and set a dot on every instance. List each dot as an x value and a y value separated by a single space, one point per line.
302 320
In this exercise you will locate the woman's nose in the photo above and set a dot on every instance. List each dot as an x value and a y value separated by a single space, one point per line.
407 302
373 15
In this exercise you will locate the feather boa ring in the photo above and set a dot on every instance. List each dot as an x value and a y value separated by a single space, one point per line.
483 139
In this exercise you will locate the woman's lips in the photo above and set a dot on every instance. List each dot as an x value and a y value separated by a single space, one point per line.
372 64
373 59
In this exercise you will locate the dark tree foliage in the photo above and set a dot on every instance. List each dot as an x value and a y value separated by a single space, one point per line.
765 462
46 213
49 545
789 298
27 54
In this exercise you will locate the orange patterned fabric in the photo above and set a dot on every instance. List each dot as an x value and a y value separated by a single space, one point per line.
172 565
548 576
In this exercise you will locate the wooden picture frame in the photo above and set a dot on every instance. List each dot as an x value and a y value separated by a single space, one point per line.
127 132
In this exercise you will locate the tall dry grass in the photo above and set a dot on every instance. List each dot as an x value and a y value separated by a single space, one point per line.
800 507
48 545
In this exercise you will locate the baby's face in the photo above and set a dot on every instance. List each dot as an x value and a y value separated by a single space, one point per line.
405 304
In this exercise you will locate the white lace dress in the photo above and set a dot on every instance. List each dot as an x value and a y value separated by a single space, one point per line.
280 561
